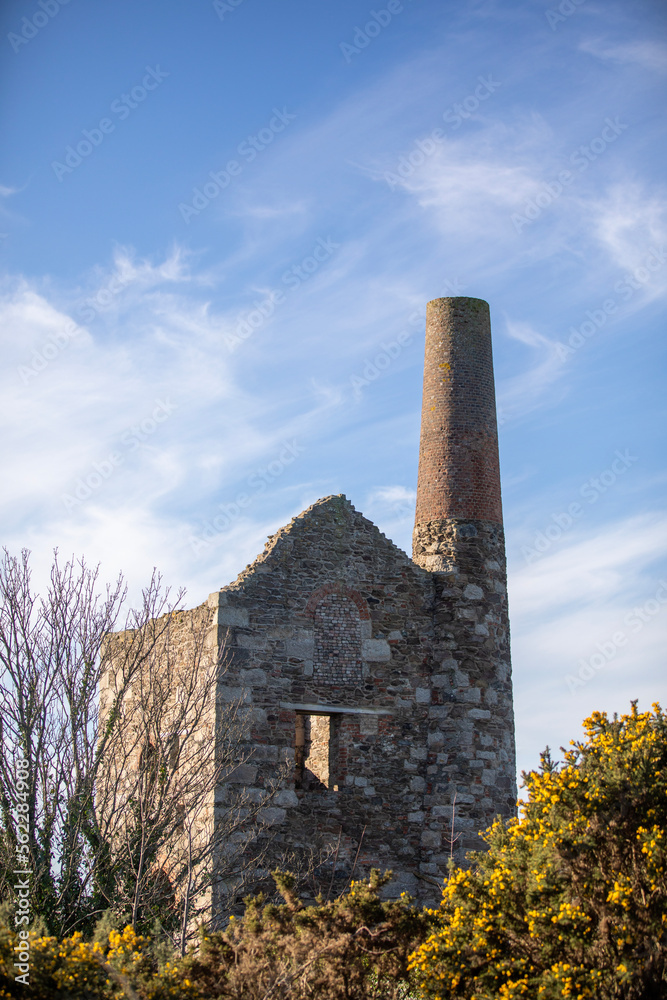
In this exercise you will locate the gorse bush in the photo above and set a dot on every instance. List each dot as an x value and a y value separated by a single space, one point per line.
571 899
355 947
74 969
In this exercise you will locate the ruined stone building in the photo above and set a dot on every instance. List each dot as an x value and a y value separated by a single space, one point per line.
386 680
383 680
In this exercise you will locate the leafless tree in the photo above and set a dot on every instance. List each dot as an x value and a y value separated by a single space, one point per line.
50 661
122 744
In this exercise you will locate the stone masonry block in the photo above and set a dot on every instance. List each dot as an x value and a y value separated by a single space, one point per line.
272 815
375 650
239 617
243 774
286 798
251 641
431 838
240 694
368 724
441 812
254 677
441 680
301 648
479 713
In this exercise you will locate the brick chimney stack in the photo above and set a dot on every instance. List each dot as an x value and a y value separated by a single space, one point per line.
459 476
459 538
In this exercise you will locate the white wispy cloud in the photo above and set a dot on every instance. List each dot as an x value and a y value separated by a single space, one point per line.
73 399
393 495
628 221
520 394
591 569
392 509
649 54
277 210
589 627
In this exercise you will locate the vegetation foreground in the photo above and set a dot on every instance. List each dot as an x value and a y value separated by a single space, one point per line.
570 901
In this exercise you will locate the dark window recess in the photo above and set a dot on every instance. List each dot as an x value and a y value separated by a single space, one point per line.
315 745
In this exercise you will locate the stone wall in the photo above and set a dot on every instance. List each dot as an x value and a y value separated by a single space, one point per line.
472 686
166 673
278 623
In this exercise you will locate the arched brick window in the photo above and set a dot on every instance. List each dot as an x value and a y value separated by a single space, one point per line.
337 613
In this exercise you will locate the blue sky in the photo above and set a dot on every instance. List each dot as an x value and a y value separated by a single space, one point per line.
220 223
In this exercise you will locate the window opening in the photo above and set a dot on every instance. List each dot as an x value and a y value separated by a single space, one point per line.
315 752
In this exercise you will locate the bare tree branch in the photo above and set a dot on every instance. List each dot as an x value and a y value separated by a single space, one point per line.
128 754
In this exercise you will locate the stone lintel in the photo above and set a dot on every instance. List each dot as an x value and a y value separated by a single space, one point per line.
332 709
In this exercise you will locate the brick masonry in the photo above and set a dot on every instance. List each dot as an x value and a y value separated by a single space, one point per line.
458 455
337 653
